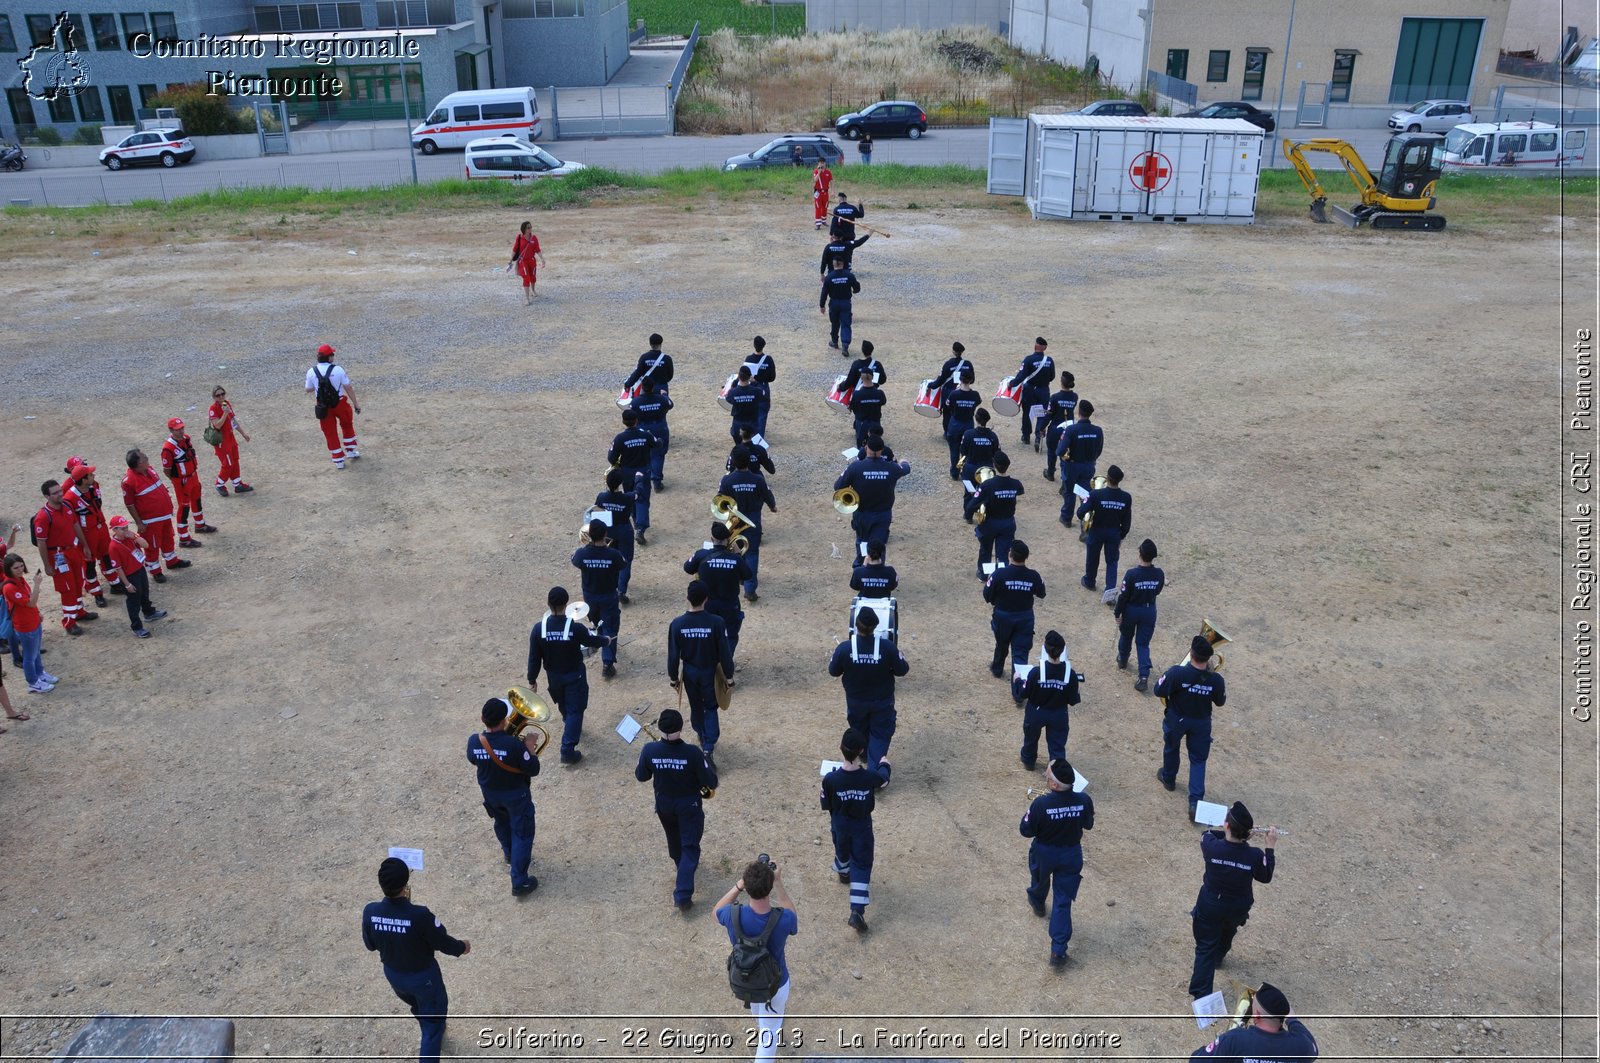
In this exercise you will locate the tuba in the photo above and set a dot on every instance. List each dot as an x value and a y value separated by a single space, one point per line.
846 500
1095 483
1211 634
529 710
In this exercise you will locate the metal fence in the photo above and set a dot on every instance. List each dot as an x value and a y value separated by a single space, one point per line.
680 73
1183 92
166 185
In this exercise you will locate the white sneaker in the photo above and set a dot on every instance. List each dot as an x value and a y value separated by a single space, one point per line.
353 453
338 465
41 687
48 678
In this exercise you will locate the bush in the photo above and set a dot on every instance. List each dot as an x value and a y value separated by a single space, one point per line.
89 134
201 115
48 135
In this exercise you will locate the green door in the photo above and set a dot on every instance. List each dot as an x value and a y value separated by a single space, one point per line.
1434 58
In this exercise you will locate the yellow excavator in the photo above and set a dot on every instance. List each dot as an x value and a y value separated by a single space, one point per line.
1400 197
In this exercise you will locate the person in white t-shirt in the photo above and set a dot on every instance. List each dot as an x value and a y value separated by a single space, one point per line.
338 422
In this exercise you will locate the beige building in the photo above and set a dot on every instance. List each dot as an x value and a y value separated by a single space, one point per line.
1369 53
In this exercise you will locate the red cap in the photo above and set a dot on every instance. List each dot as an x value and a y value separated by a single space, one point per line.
73 462
81 471
119 521
176 424
324 350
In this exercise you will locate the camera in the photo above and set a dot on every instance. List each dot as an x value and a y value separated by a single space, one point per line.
764 859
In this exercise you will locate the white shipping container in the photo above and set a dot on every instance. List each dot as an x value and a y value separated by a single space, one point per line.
1106 168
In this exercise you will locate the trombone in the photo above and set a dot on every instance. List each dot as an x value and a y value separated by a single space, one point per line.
706 792
725 509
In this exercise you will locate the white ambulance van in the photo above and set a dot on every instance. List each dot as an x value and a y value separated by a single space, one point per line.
1538 144
462 117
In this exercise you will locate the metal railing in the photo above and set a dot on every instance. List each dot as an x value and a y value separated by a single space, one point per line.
679 73
1184 92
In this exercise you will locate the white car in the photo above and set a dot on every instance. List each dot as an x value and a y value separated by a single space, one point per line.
510 158
166 147
1432 116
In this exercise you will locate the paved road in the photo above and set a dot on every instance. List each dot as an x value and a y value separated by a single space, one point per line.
82 185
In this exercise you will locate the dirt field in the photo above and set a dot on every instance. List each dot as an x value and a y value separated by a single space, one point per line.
1341 442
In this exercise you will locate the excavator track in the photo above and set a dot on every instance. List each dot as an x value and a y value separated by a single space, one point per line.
1388 219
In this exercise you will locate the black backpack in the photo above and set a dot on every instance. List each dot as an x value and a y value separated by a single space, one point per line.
753 971
327 394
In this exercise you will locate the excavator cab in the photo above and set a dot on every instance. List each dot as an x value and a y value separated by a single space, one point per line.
1411 165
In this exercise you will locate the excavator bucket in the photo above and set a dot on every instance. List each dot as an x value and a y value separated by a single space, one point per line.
1319 211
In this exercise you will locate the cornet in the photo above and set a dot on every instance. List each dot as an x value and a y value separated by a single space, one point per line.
706 792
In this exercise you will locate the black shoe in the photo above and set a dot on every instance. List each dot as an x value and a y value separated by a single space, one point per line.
523 891
640 539
100 600
572 758
833 345
160 577
179 563
204 529
1050 476
711 763
141 632
1058 959
623 599
1083 536
1085 583
1168 783
191 542
159 614
857 923
1031 765
74 630
1141 684
1122 664
997 671
1036 446
752 597
243 489
844 877
119 589
609 671
685 907
1038 907
661 485
1192 807
221 490
89 614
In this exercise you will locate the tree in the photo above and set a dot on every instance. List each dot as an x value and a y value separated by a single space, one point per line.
201 114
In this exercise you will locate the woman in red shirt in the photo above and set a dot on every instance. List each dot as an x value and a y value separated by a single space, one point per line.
224 420
28 625
523 253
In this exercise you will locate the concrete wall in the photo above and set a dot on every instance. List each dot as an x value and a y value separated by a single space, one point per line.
565 51
825 15
234 147
1069 31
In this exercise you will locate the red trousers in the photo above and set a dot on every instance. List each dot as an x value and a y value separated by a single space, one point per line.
227 459
339 429
158 532
186 490
99 548
69 584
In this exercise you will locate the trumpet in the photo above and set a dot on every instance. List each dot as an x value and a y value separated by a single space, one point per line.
1095 483
846 500
706 792
529 710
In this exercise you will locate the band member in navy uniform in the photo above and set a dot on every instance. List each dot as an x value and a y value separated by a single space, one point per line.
698 642
1037 370
749 488
652 406
681 774
506 764
760 456
721 572
873 578
849 795
979 445
867 664
1113 516
866 403
1056 822
837 288
1191 689
1051 689
1079 449
1011 590
1273 1034
765 371
843 226
960 407
620 504
601 567
1058 414
556 644
1227 892
744 398
407 936
630 455
655 367
949 376
872 478
1135 610
843 250
998 498
865 368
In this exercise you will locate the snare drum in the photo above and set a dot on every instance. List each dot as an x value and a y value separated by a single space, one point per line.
839 398
1007 401
625 396
930 400
888 616
722 396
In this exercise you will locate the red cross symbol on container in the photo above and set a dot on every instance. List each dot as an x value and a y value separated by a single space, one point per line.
1150 171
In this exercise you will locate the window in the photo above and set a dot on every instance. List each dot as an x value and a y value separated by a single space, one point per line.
21 109
8 40
163 27
492 111
105 33
74 27
121 104
1178 63
132 26
60 106
1344 68
1542 142
395 13
41 30
1511 144
1255 71
1217 65
543 8
1574 141
295 17
146 94
1435 57
467 114
89 104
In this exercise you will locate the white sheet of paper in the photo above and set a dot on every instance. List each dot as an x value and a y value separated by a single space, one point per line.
971 490
412 857
1210 813
1209 1009
1081 491
1080 785
863 548
706 544
1022 672
759 441
989 567
1035 412
851 454
603 516
831 765
629 728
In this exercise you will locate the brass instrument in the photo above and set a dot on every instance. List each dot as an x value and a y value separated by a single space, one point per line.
590 514
529 710
846 500
1243 1011
983 474
725 508
1211 634
706 792
1095 483
723 687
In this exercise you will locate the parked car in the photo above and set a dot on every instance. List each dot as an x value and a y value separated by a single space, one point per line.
1235 109
1432 116
891 118
1115 108
510 158
780 152
168 147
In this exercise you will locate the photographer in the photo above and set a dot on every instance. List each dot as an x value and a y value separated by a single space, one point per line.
763 880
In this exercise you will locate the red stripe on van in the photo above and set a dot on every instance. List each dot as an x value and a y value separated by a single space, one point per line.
474 128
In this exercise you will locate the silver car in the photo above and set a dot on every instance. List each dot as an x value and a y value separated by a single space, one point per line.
1431 116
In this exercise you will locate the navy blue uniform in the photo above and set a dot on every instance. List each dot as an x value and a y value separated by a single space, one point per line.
698 641
867 403
959 406
631 451
745 412
844 250
763 370
865 367
874 581
723 572
679 770
601 569
1079 449
1059 412
1037 370
655 367
1223 905
1056 822
837 288
406 936
1136 613
620 504
868 665
750 490
1251 1044
948 379
1011 590
1190 694
998 496
873 479
556 645
652 409
843 226
504 786
760 458
1051 689
1113 516
849 795
979 445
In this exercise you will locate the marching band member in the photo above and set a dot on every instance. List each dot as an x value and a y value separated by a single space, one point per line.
1037 370
744 400
1051 689
150 504
721 572
1079 449
867 367
679 772
1273 1034
1191 689
765 371
872 478
844 218
1056 822
1226 893
655 367
1113 516
866 404
1058 414
997 496
838 285
620 504
1135 610
872 578
698 640
556 644
949 376
848 795
506 766
601 569
1011 590
407 936
652 406
867 663
842 249
630 455
749 488
760 455
960 407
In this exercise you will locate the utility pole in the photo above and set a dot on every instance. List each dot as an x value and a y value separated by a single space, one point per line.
1283 81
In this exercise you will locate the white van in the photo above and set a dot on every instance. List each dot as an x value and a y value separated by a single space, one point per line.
1480 144
462 117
